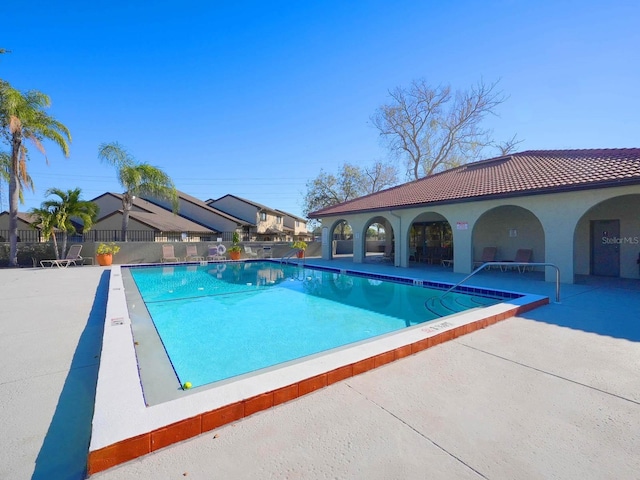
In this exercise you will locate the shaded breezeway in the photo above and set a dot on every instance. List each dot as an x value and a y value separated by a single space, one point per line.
554 393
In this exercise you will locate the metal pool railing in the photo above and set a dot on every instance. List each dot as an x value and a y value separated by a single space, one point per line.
510 264
289 255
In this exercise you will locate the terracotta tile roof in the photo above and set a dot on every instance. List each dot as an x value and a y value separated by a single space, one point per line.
525 173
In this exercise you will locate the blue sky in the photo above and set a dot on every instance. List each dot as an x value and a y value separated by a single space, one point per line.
254 98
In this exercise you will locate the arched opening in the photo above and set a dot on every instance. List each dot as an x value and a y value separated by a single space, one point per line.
508 229
341 235
430 240
606 240
378 240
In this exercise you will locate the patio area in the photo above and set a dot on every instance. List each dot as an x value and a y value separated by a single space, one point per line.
554 393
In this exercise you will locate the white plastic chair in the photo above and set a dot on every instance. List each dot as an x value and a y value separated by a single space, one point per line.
192 254
168 254
73 256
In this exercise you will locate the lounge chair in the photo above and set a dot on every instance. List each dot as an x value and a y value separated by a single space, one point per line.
168 254
249 252
488 255
267 252
523 255
192 254
73 256
216 252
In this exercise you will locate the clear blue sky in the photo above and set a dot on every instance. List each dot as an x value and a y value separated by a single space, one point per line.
254 98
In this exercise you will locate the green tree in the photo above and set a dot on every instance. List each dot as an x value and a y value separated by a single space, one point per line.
22 120
328 189
45 221
137 179
350 182
67 210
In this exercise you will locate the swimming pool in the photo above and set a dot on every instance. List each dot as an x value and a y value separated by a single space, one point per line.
222 320
127 425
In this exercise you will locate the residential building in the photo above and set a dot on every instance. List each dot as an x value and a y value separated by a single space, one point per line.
26 231
199 212
147 222
296 226
265 224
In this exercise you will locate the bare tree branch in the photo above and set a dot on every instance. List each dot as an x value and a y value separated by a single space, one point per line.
380 176
509 146
432 128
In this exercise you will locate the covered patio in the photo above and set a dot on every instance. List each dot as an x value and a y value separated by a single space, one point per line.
576 209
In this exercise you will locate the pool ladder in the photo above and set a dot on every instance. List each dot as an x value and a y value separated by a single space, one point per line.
290 254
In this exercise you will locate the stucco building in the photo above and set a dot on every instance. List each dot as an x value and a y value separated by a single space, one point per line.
577 209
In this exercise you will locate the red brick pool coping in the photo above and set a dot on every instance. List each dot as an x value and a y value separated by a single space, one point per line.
123 451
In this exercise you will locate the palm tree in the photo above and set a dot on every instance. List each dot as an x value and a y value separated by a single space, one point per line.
22 118
5 176
68 207
137 179
45 221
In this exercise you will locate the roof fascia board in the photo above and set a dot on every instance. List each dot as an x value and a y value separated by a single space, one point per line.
526 193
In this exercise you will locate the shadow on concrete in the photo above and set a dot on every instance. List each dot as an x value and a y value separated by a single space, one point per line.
63 454
613 312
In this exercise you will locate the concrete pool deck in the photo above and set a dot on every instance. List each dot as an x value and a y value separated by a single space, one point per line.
555 392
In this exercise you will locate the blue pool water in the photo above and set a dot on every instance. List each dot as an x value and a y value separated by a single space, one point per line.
222 320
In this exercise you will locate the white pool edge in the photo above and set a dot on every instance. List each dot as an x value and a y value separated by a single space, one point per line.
120 412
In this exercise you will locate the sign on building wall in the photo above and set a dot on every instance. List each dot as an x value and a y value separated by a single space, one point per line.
462 225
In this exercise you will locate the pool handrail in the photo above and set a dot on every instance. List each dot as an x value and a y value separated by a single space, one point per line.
290 254
511 264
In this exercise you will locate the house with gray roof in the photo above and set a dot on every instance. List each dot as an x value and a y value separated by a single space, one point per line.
199 212
577 209
27 231
266 224
147 222
296 225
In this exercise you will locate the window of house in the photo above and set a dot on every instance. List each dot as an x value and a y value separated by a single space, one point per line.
263 216
278 220
297 224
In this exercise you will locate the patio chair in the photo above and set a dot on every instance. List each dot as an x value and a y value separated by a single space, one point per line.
73 256
168 254
250 252
523 255
192 254
488 255
216 252
447 257
267 252
389 254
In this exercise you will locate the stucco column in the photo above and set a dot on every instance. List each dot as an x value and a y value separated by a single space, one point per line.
463 248
400 239
559 246
326 243
359 239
